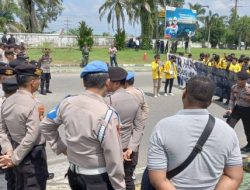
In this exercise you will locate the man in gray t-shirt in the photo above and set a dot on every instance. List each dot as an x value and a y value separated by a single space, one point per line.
217 166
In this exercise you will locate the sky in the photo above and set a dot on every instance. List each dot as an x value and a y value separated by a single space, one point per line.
87 10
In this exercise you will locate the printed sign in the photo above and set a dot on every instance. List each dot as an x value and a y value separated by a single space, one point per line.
180 22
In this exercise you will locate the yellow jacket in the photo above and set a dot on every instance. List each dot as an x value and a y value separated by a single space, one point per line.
170 70
157 71
210 63
235 68
223 64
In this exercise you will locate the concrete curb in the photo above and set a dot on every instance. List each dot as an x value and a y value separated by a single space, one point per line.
75 68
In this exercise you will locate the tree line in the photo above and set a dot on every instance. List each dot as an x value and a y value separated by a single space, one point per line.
28 15
34 16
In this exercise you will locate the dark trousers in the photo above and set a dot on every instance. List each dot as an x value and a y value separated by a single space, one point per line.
242 113
85 59
169 82
10 178
228 92
45 79
112 61
180 81
89 182
129 168
32 172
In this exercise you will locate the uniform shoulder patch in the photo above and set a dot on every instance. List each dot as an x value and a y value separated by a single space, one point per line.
53 113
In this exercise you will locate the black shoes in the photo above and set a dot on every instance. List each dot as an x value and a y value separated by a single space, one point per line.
245 148
219 100
43 92
51 176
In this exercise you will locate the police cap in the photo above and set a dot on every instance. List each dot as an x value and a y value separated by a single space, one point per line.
22 56
94 67
130 75
28 70
243 75
6 70
117 73
10 84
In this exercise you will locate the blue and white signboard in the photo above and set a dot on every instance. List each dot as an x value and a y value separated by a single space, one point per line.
180 22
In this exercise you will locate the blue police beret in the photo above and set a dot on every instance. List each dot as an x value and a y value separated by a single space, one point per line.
130 75
94 67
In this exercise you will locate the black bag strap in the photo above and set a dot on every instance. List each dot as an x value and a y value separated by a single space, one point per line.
197 149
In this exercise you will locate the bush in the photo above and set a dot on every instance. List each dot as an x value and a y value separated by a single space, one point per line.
146 43
120 37
85 35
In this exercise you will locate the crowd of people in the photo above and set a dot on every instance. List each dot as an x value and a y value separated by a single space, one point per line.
102 156
104 126
172 68
238 96
12 55
103 153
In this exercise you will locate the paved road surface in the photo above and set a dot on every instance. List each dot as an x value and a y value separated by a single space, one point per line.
63 84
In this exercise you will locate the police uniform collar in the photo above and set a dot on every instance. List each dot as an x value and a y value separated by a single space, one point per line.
23 91
94 95
121 89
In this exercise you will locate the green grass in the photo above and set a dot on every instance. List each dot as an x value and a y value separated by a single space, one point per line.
127 56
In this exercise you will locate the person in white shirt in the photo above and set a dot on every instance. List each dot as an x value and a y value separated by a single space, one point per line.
112 54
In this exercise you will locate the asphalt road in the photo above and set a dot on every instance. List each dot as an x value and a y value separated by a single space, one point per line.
64 84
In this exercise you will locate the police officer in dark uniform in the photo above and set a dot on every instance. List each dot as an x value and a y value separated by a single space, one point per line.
239 106
21 140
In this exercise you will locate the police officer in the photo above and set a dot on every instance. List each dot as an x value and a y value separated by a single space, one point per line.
131 119
5 72
239 106
10 87
139 96
21 139
44 63
91 126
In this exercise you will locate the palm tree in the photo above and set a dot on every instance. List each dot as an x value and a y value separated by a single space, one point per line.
209 20
36 13
116 10
200 11
8 11
175 3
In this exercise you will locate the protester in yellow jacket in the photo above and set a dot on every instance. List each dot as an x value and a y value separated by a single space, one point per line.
170 70
157 72
234 66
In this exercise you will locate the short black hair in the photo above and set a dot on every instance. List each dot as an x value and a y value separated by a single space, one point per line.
131 81
200 90
95 80
22 80
156 56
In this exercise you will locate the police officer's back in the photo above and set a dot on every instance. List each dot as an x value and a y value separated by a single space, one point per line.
131 121
24 145
138 94
91 128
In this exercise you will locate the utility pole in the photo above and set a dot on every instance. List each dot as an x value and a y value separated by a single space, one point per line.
236 6
67 23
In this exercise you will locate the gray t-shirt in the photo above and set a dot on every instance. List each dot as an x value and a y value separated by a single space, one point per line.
173 140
